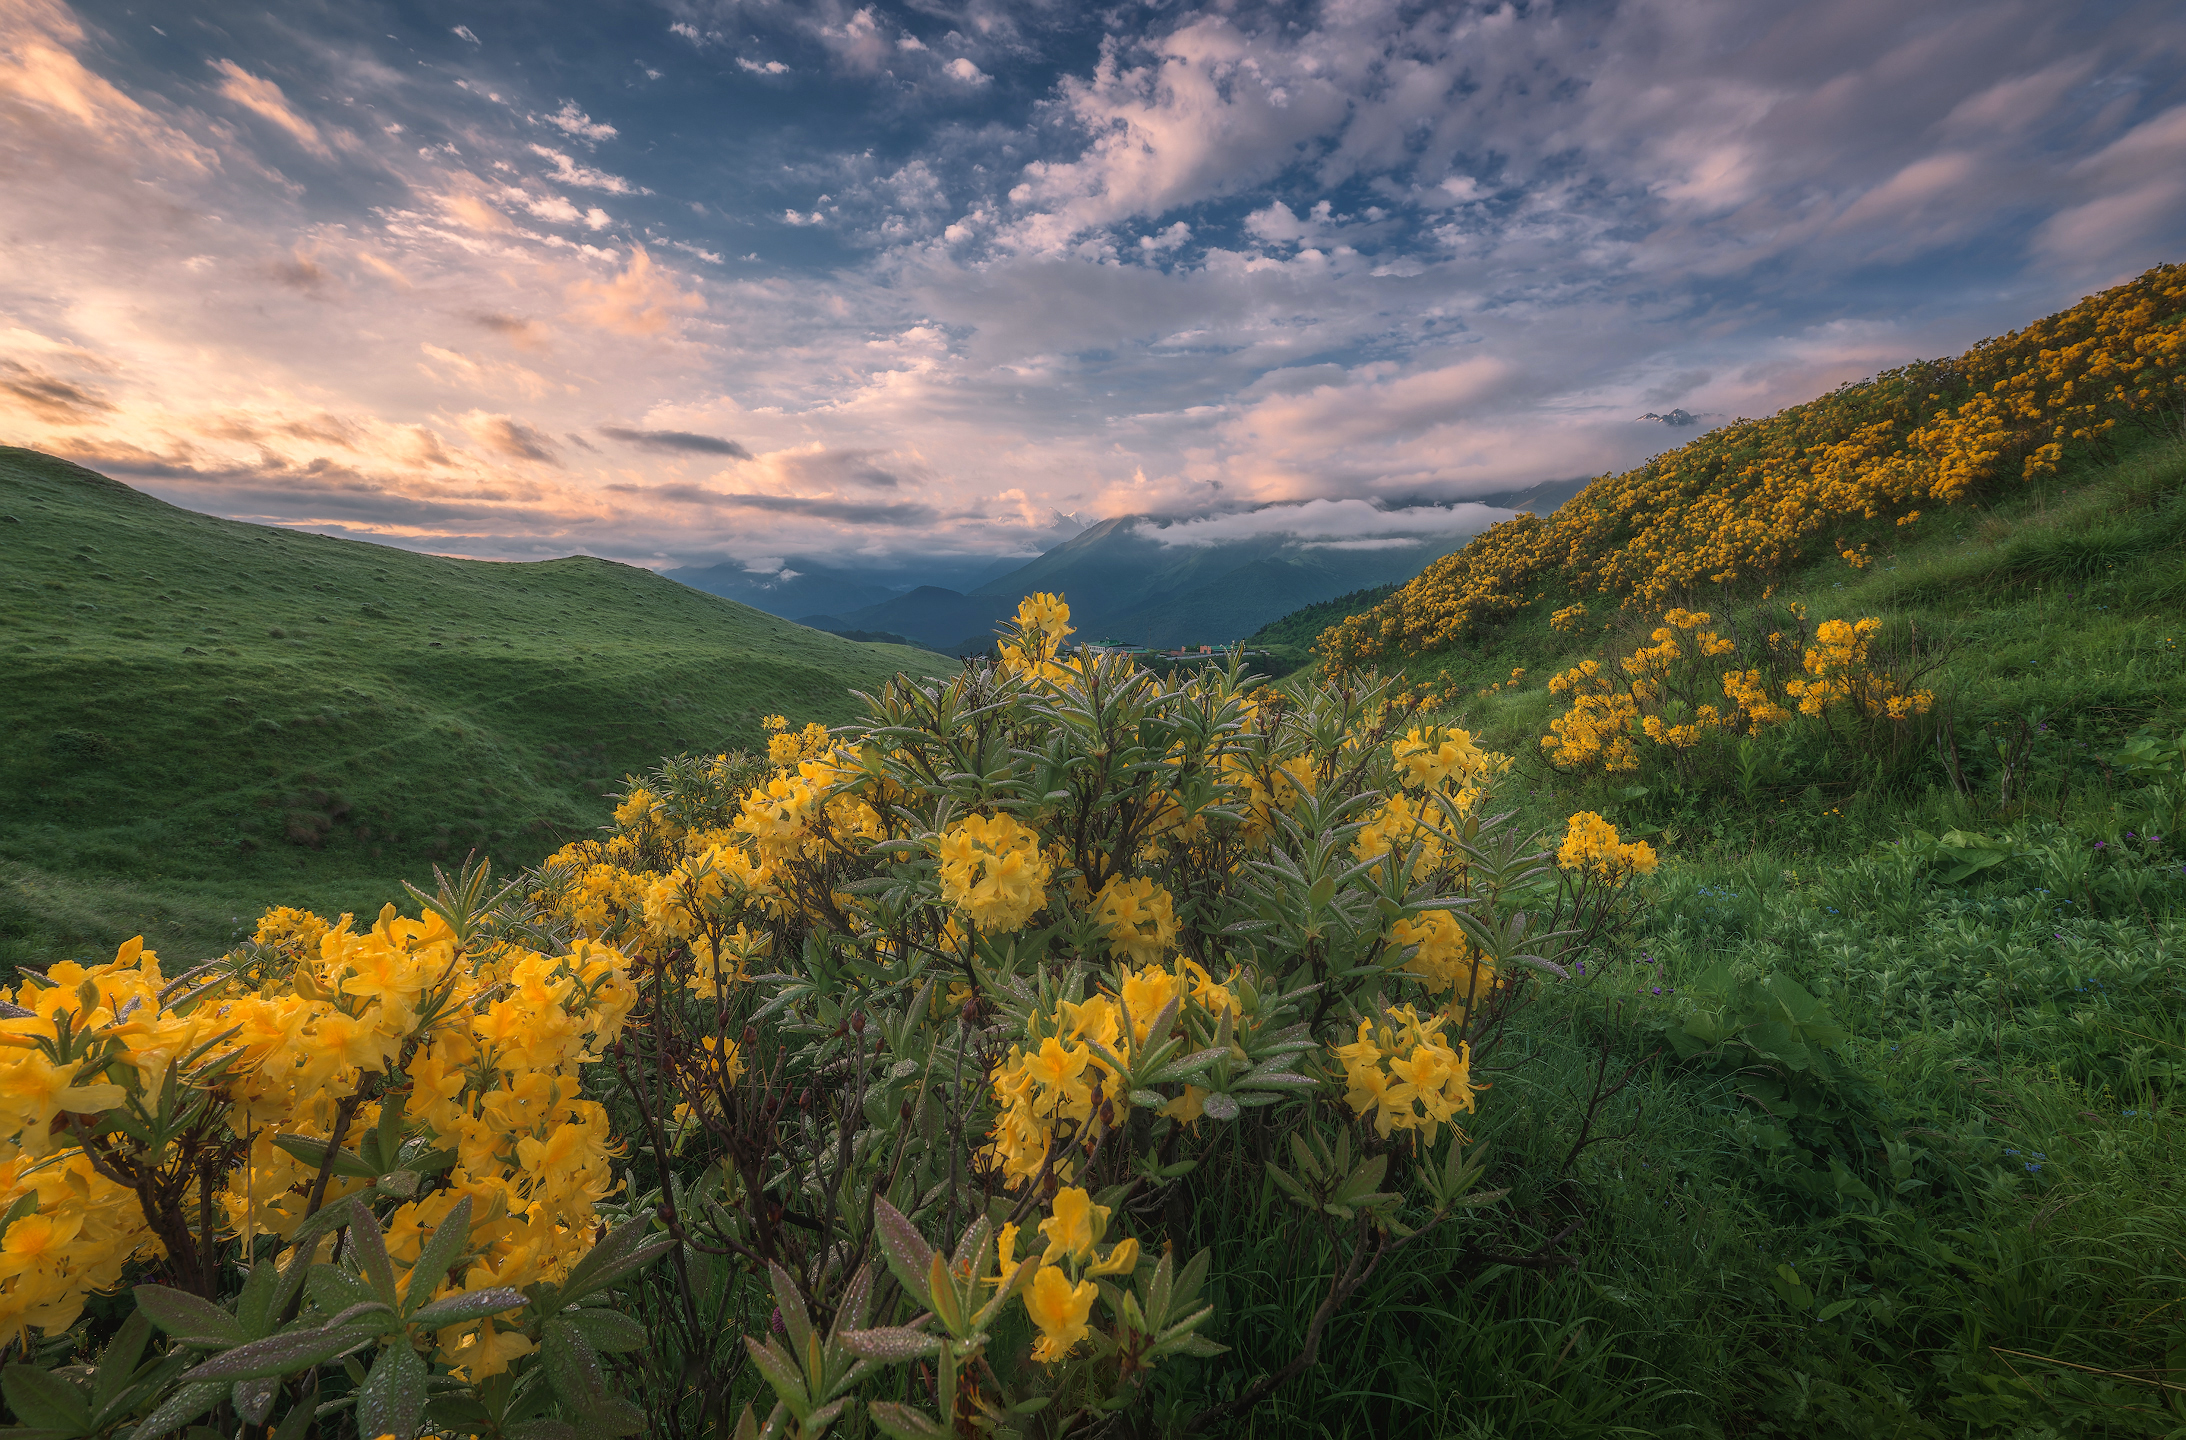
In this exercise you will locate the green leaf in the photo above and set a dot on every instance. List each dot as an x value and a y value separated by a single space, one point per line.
392 1401
297 1424
782 1374
253 1399
371 1248
543 1430
901 1422
909 1256
1835 1308
610 1331
313 1153
439 1252
280 1354
180 1409
254 1307
618 1255
187 1318
891 1344
574 1370
44 1401
118 1363
795 1322
470 1305
333 1289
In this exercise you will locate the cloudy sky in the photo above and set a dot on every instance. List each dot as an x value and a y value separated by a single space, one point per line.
675 281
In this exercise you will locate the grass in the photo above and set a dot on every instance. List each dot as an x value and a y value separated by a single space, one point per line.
1958 1211
205 718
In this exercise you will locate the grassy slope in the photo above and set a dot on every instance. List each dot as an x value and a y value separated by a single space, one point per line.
1997 1170
1303 626
204 718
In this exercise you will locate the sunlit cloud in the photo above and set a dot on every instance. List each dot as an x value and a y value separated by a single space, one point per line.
661 291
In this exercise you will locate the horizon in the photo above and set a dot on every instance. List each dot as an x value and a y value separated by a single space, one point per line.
922 285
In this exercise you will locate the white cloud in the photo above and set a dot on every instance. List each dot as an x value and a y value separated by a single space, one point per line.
964 70
569 172
1332 524
575 123
463 32
770 67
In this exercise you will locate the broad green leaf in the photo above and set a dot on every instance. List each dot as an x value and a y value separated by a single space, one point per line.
44 1401
470 1305
392 1401
280 1354
187 1318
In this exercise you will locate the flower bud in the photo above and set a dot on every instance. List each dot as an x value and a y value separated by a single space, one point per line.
857 1023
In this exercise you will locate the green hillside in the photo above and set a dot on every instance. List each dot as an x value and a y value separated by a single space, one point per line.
204 718
1303 626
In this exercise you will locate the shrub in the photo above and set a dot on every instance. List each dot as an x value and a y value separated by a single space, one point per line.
914 1029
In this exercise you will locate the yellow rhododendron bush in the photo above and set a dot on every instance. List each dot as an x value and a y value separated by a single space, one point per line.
361 1148
1744 504
939 1013
1691 697
894 1049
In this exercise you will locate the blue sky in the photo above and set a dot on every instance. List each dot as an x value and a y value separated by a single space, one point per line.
917 283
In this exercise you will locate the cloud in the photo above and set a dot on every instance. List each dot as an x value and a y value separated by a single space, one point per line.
964 70
569 172
463 32
675 442
575 123
1331 524
509 438
524 333
643 300
264 98
811 506
1162 260
42 81
48 397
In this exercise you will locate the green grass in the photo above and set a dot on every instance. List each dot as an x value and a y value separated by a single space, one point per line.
205 718
1965 1219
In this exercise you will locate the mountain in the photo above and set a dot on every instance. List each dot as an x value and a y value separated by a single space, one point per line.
201 718
801 586
1166 583
930 614
1198 580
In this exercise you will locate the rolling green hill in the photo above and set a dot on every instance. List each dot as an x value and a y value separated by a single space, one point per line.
203 718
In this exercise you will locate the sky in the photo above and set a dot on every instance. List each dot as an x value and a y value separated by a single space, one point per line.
939 282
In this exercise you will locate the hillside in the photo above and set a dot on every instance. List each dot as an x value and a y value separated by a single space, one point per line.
1854 473
204 717
1303 626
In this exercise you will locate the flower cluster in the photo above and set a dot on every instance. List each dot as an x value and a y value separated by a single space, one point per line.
1672 688
1592 844
1746 502
1403 1076
294 1048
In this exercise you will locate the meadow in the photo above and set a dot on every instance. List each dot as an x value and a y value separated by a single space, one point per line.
207 718
1788 1047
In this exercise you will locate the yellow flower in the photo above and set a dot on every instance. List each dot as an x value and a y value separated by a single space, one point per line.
1074 1224
1060 1309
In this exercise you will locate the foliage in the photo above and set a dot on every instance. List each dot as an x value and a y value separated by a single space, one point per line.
1750 501
1003 961
1029 942
382 1131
